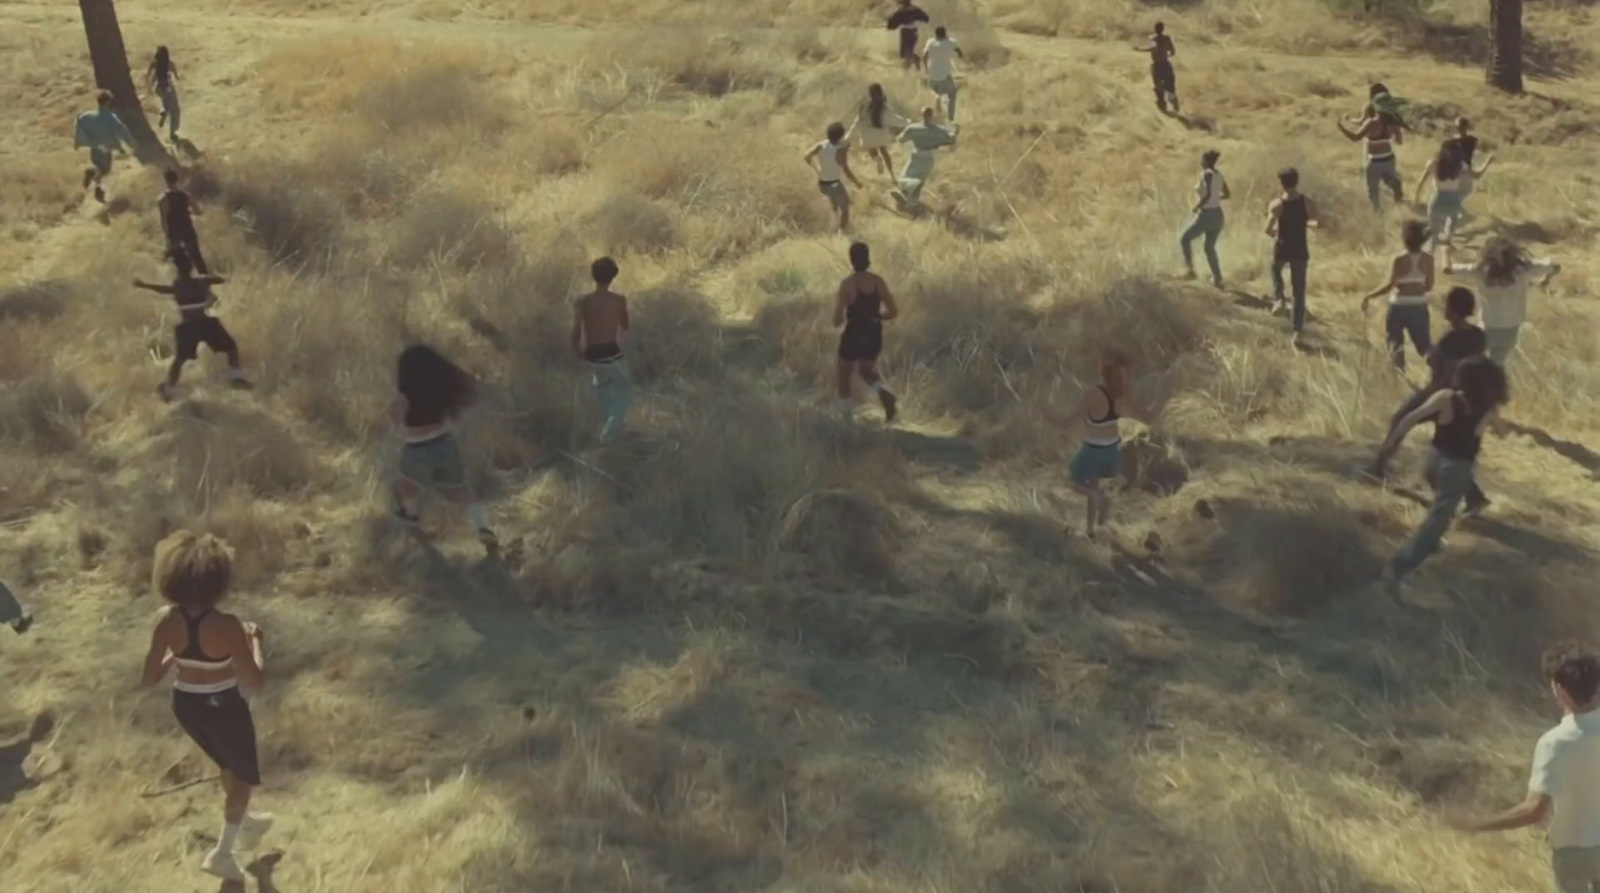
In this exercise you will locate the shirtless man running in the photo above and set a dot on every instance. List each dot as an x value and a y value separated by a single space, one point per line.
599 326
1161 50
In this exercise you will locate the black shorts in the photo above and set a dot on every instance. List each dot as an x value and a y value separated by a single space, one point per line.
207 330
861 345
221 724
1290 255
908 42
1165 78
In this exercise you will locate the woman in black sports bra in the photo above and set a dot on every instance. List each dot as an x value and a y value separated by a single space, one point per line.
1460 415
863 303
214 652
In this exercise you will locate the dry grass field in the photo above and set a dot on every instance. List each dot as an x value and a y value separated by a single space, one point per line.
750 648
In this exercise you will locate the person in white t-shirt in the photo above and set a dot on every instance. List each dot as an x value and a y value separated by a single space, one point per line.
831 160
939 57
1565 782
1503 273
1207 219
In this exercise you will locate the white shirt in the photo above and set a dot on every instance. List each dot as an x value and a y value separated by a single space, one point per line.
941 58
1504 305
1566 767
1213 199
828 161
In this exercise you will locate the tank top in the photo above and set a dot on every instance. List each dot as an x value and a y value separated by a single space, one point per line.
1104 431
1413 276
1460 438
1211 184
1292 222
866 309
828 162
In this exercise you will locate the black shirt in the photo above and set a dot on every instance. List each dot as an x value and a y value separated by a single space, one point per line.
176 211
1460 439
1465 146
907 17
1455 346
1291 243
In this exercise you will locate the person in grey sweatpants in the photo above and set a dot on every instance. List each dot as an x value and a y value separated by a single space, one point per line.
926 138
1207 219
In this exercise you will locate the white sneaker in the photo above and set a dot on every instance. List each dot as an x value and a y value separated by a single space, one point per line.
254 827
222 865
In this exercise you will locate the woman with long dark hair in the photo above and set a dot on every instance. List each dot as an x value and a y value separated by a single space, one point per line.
1099 459
162 76
1460 415
433 394
1449 172
876 127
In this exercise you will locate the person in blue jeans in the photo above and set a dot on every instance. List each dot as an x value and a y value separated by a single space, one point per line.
1410 280
1460 414
162 76
1207 219
1290 218
599 326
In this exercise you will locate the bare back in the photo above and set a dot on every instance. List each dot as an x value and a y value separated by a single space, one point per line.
603 316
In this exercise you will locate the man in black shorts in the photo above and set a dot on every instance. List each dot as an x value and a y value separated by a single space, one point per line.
195 325
906 19
1161 50
177 222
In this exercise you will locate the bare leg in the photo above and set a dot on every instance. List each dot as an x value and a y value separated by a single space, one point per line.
407 493
237 798
844 218
845 370
868 371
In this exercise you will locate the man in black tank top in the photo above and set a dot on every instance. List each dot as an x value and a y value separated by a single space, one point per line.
1290 218
861 306
906 18
177 222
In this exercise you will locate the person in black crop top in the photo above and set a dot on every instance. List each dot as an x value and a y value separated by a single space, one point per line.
1290 218
1460 415
195 325
861 305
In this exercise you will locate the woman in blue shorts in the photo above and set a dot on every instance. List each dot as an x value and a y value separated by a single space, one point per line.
1099 459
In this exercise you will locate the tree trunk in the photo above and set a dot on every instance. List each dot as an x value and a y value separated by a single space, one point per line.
1505 49
111 73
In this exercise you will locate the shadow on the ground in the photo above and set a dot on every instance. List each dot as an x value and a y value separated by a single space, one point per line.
1468 44
1572 451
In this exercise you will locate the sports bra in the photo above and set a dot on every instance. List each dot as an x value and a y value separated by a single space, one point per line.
1103 431
866 308
193 656
1413 276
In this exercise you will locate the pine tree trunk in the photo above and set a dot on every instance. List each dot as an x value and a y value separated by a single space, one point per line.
110 58
1505 51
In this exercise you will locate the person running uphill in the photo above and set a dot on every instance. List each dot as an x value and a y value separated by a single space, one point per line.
1161 50
162 77
1290 217
1460 415
214 652
1466 146
926 139
432 395
599 326
195 325
1099 459
875 128
1565 782
1503 274
940 58
905 19
101 132
1450 181
1410 281
1381 129
1207 219
177 222
862 304
831 160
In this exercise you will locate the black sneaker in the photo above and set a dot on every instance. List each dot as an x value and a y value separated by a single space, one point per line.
890 404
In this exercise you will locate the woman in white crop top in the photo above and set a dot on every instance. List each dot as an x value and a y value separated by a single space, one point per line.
1503 274
1410 280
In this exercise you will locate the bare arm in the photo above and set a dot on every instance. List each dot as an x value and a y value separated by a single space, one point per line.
844 165
1274 211
1427 272
157 660
1426 172
1554 269
1382 289
577 329
1434 405
810 157
1530 811
150 286
840 302
248 661
1357 134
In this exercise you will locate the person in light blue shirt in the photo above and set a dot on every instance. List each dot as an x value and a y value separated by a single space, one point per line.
926 138
101 132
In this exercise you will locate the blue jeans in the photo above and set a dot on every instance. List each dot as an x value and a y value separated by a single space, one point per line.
614 386
1407 320
1297 282
1451 480
1382 173
1207 223
1445 209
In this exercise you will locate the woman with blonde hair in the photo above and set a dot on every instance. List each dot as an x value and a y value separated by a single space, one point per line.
876 127
1099 459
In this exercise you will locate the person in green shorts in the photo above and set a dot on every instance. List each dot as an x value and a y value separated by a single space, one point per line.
432 395
939 59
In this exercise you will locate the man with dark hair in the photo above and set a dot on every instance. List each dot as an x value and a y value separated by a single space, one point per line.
1565 782
101 132
940 57
1161 50
177 222
1290 217
906 19
599 326
831 160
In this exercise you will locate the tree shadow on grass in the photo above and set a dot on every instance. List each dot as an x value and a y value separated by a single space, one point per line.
1454 43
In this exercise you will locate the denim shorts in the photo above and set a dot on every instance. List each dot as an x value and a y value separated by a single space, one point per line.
1095 463
434 463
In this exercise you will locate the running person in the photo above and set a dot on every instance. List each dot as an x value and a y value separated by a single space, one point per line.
1099 459
214 652
875 128
432 394
102 133
926 139
162 77
905 19
1466 145
1290 217
1449 174
599 326
195 325
1410 281
939 57
862 304
831 160
1381 129
177 222
1161 50
1503 273
1207 217
1460 415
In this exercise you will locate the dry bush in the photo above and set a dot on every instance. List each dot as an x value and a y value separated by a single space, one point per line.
44 413
445 228
627 222
285 212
